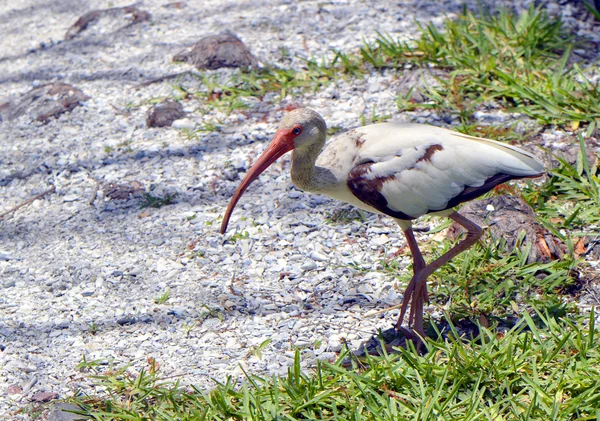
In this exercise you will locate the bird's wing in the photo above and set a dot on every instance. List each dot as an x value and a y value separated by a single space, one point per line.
409 170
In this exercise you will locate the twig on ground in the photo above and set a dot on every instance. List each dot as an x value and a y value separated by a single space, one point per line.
162 78
28 201
385 310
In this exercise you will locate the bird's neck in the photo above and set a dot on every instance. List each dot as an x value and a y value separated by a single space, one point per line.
306 175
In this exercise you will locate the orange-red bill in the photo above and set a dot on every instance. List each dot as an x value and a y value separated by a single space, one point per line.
281 144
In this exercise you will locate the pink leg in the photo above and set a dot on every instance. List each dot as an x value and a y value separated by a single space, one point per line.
416 291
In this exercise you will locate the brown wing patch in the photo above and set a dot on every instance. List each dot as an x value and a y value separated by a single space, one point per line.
429 152
368 190
358 138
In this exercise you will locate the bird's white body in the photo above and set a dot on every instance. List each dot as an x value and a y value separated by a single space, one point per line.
401 170
417 168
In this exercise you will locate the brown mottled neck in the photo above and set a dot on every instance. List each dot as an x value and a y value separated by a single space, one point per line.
305 175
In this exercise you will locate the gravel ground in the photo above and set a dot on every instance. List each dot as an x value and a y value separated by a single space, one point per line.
81 280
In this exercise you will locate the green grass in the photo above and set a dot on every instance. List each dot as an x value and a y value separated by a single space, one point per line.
163 298
571 198
526 373
345 215
520 64
488 282
152 201
523 63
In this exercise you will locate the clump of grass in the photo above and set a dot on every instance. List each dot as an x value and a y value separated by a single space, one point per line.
503 133
345 216
526 373
234 93
571 198
487 282
521 62
152 201
163 298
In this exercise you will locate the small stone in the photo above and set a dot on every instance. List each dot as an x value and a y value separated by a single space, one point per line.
489 117
29 369
70 198
122 191
61 412
315 255
184 123
164 114
32 382
62 324
44 396
46 102
310 265
127 320
145 318
87 293
14 389
216 51
178 312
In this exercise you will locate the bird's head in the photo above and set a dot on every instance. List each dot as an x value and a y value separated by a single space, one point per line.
302 130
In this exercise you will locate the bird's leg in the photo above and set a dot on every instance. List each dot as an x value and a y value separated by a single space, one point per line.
416 291
418 266
418 261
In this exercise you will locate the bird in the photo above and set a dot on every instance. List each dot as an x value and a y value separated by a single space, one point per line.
402 170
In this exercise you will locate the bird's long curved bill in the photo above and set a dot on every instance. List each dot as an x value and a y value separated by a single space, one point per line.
279 146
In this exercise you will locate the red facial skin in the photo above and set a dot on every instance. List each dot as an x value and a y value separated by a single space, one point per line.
282 143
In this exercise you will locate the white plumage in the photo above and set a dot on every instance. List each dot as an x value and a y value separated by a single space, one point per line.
401 170
413 185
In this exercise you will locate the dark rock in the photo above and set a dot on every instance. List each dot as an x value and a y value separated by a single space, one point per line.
216 51
127 320
47 101
145 318
178 312
510 216
164 114
569 153
131 14
14 389
44 396
59 413
64 324
123 191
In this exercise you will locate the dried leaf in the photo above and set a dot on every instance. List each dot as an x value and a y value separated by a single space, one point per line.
579 249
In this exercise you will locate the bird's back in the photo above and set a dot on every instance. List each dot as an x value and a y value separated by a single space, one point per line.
385 140
408 170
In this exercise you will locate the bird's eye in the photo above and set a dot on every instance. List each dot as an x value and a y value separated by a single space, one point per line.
296 130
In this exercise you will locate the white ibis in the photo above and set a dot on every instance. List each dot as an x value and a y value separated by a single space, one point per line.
401 170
